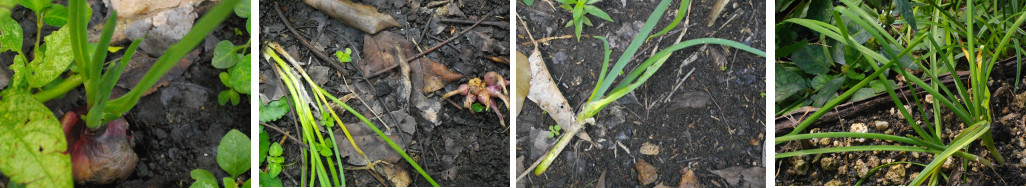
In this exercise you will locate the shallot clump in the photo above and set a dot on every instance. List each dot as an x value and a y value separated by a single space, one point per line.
100 156
477 90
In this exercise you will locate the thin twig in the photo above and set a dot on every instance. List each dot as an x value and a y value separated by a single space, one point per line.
319 54
415 57
502 25
681 82
293 139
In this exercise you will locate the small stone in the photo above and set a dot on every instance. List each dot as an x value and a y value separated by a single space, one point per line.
947 164
800 166
862 168
834 182
896 174
842 169
873 161
881 125
859 128
649 149
828 163
928 98
824 141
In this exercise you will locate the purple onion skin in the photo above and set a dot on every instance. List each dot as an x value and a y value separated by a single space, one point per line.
101 156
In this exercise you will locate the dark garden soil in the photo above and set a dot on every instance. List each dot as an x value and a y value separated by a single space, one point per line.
464 149
1009 130
178 127
725 130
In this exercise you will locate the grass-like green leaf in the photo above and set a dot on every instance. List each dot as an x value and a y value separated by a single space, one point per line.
597 12
681 13
233 153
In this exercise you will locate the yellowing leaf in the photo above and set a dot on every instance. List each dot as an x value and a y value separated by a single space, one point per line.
114 49
33 146
55 60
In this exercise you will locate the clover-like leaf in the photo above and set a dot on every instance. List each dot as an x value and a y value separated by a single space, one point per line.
204 179
233 153
239 75
56 59
242 9
224 55
275 149
36 5
274 169
33 146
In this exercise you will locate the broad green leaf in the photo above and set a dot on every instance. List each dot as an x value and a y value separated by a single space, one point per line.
905 9
820 10
598 12
274 110
828 92
233 153
204 179
788 83
268 181
246 184
33 146
36 5
242 8
812 60
55 61
265 143
862 94
224 55
819 81
10 34
240 75
275 159
229 183
18 79
791 48
56 15
529 2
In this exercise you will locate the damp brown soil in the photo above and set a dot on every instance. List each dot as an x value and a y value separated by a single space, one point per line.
478 152
727 132
1009 129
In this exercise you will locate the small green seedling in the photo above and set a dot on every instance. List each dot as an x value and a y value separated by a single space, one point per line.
478 107
579 8
528 2
344 57
227 56
232 156
554 130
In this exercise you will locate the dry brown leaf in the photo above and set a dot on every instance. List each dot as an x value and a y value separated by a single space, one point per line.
649 149
523 82
687 178
398 176
754 177
646 172
426 74
363 17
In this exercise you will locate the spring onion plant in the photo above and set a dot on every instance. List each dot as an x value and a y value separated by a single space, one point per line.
37 152
598 99
969 101
311 128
